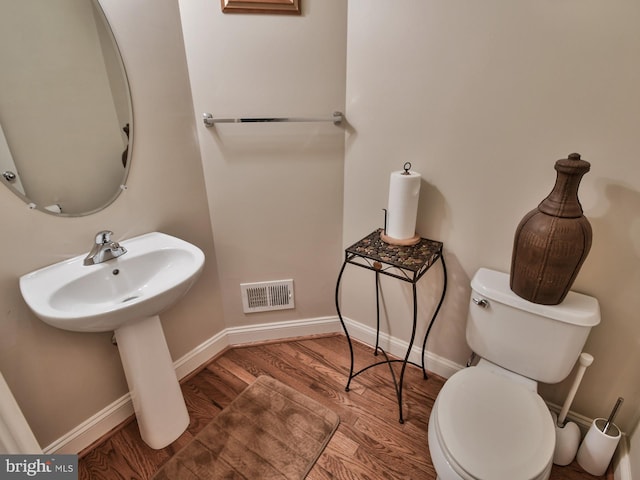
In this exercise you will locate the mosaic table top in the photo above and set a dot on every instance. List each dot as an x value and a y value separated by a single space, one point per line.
413 258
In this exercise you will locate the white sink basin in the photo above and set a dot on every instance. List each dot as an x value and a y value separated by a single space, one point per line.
125 295
155 272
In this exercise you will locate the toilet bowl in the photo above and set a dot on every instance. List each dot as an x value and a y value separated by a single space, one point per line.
491 426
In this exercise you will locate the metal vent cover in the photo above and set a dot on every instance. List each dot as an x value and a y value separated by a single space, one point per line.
266 296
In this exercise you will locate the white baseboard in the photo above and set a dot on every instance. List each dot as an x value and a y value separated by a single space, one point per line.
114 414
584 423
434 363
120 410
621 461
282 330
93 428
201 354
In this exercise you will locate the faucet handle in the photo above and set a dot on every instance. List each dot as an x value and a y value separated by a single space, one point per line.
103 237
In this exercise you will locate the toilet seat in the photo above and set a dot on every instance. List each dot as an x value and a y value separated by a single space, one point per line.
490 427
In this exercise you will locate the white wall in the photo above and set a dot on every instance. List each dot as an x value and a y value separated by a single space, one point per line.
482 98
274 190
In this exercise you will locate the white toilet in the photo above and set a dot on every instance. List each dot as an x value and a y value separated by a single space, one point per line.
488 421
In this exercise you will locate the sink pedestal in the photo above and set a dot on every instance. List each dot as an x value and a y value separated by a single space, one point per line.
157 399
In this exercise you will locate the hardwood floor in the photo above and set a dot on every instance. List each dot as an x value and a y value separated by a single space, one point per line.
370 443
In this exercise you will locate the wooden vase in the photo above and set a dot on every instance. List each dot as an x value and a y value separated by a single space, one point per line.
553 240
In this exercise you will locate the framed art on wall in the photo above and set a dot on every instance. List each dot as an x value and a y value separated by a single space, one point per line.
287 7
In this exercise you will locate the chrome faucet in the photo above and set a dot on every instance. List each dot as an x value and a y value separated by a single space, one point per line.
104 249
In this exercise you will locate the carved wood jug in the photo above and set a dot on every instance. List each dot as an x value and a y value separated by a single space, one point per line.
553 240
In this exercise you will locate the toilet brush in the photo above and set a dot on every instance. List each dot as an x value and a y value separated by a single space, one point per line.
568 433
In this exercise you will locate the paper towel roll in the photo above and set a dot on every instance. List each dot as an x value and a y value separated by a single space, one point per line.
402 211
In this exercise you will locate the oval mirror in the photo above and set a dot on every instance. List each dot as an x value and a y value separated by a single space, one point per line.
65 108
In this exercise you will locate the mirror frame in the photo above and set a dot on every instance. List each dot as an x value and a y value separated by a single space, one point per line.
130 135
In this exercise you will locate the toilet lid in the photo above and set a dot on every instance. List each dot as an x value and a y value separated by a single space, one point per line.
494 428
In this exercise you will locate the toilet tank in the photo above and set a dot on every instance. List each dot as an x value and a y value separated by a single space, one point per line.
540 342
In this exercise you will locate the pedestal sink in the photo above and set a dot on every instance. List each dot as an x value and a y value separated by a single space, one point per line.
125 295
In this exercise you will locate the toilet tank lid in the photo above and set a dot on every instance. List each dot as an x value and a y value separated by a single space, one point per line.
576 308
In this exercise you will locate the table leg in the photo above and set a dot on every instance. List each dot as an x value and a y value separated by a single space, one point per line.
435 314
344 327
377 278
406 358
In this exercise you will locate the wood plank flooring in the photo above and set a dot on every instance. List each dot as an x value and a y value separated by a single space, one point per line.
370 443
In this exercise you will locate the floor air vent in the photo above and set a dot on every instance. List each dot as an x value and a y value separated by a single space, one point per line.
265 296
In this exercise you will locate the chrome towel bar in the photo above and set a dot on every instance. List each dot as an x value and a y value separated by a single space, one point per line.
210 121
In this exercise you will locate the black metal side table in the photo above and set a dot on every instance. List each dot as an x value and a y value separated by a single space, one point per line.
406 263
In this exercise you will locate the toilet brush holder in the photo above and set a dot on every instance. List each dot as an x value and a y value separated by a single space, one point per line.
567 442
597 448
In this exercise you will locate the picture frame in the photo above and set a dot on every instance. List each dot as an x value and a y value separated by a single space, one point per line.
282 7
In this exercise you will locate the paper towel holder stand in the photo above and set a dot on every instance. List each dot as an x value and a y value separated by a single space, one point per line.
401 242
